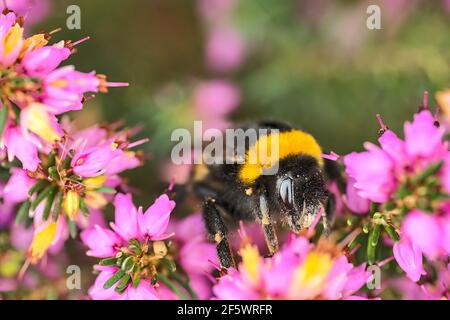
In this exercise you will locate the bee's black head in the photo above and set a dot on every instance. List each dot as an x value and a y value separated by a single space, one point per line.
300 191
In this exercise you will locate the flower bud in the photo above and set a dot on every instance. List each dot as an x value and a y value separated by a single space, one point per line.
71 204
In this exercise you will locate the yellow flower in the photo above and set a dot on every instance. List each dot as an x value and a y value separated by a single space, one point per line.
250 262
94 183
443 99
310 276
37 120
12 40
32 43
95 199
42 241
71 204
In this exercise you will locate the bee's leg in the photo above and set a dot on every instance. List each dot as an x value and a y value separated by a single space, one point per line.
328 214
268 228
217 231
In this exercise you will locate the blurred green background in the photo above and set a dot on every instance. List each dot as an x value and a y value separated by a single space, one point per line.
313 63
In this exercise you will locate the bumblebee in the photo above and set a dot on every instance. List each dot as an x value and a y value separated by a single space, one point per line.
293 194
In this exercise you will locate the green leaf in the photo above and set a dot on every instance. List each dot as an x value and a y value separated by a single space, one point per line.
51 159
22 214
84 209
185 285
392 233
372 243
106 190
72 228
136 276
111 281
128 264
429 171
49 203
123 284
37 187
3 118
68 159
108 262
58 205
41 196
172 287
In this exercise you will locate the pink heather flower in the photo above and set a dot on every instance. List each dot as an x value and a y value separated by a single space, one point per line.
372 172
18 146
34 10
298 271
196 255
65 87
43 90
353 201
99 153
130 223
92 162
426 231
409 258
143 292
216 97
102 242
225 49
42 61
16 189
377 171
423 139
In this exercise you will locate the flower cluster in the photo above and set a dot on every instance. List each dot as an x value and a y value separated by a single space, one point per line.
300 270
35 90
407 182
134 252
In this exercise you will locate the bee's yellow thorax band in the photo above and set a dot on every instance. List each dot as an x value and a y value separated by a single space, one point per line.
264 154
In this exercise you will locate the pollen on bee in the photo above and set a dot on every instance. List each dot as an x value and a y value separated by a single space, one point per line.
218 237
249 191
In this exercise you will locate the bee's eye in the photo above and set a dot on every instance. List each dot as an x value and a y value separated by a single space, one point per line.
286 193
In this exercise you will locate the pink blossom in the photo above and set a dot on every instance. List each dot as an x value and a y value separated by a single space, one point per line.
92 161
16 189
34 10
377 171
126 218
102 242
154 221
143 292
426 231
353 201
217 97
131 223
373 172
64 88
225 49
423 139
42 61
21 147
298 271
409 258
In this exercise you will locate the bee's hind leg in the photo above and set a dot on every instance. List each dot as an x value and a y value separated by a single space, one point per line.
217 232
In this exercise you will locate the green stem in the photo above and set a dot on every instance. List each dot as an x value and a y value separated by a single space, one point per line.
185 285
172 287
